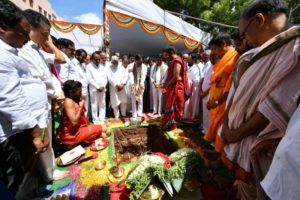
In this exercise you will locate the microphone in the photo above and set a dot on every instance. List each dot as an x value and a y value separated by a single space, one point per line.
94 156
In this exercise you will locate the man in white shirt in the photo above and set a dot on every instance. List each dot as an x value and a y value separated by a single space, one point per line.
194 75
67 71
21 138
205 63
137 73
37 61
80 67
158 76
117 78
97 80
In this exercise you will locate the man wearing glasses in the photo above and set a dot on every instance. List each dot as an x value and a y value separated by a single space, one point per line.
266 96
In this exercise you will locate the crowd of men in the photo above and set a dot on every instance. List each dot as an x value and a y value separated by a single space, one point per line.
244 92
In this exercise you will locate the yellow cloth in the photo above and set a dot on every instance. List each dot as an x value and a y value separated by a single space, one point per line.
220 84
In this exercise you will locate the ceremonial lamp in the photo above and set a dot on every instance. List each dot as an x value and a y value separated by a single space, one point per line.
117 171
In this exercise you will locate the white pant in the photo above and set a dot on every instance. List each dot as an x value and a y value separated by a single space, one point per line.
97 105
46 159
137 110
157 99
123 110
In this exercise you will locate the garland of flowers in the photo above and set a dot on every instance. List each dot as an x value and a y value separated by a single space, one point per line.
158 165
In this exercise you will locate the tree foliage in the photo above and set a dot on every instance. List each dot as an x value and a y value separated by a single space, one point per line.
222 11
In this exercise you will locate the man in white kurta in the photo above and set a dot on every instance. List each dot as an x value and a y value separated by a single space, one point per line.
158 76
283 177
97 79
67 71
191 108
18 113
117 77
137 72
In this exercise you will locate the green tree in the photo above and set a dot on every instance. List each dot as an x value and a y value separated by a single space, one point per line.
294 13
222 11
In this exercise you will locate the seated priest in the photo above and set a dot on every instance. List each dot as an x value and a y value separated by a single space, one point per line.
74 126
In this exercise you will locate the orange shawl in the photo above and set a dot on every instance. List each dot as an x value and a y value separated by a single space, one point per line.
220 84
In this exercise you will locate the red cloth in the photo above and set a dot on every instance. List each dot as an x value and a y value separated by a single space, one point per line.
175 94
118 193
210 192
81 132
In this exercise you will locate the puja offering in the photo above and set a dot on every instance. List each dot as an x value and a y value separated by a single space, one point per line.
117 171
100 165
99 144
71 156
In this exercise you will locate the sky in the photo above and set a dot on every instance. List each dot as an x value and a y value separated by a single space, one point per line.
82 11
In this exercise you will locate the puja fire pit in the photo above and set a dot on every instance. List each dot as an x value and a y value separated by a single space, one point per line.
131 143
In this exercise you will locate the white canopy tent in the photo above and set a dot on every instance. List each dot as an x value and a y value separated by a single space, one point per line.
85 36
134 28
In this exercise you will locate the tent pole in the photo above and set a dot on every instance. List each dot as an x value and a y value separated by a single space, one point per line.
106 39
202 20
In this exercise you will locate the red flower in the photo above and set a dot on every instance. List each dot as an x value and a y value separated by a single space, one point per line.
167 163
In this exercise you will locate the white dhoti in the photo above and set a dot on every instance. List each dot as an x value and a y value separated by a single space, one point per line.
206 113
191 107
118 99
117 76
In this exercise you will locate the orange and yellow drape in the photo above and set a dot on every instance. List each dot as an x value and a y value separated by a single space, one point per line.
126 21
67 27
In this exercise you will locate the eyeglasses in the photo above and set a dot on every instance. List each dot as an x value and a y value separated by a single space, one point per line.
242 33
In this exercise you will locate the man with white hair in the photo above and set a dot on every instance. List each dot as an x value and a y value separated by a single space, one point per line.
117 77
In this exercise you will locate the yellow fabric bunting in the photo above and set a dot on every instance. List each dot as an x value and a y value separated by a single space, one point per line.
122 20
172 36
149 27
190 44
66 27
